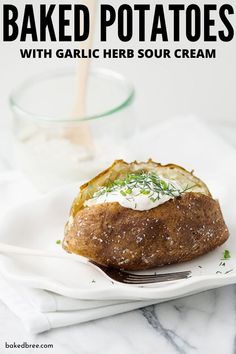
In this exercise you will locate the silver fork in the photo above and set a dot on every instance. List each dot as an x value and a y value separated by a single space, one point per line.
132 278
114 274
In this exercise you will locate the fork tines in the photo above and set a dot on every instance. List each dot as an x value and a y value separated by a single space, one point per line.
131 278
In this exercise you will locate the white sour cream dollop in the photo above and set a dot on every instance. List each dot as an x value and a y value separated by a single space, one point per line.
135 199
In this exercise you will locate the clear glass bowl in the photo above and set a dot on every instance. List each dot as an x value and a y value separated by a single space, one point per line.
54 147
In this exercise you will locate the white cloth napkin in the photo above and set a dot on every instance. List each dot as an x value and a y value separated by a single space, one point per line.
41 310
185 141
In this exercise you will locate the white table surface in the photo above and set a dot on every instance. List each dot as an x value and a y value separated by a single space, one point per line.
203 323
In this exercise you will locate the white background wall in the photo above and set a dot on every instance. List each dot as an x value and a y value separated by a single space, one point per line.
164 87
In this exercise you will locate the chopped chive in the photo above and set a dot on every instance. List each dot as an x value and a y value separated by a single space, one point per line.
164 185
145 191
128 191
227 254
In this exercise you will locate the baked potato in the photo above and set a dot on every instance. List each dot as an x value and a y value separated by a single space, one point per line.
180 220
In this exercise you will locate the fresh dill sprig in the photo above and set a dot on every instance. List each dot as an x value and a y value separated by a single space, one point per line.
228 271
142 183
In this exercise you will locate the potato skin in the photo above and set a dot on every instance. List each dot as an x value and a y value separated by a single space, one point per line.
176 231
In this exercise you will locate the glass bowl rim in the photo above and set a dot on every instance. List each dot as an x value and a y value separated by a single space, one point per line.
19 110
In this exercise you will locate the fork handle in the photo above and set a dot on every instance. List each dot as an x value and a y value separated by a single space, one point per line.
22 251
